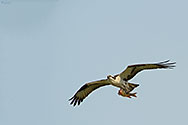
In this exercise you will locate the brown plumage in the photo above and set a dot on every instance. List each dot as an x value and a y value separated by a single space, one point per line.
119 80
85 90
132 70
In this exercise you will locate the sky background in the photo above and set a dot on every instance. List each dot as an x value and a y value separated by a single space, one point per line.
50 48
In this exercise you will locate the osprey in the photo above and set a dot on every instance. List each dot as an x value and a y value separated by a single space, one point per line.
119 80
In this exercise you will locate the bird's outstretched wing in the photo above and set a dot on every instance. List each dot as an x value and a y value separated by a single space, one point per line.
86 89
132 70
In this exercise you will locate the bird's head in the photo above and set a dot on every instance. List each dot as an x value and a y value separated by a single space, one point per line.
109 76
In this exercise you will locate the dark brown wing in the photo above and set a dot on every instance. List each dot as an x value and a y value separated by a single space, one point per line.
85 90
132 70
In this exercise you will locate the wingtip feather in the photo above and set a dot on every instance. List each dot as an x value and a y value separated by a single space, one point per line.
167 64
164 61
71 98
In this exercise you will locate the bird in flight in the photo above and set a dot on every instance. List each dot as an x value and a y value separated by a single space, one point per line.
119 80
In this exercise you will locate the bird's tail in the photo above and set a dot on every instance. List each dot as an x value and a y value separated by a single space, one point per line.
132 85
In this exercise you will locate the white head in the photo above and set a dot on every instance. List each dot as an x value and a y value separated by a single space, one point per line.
109 77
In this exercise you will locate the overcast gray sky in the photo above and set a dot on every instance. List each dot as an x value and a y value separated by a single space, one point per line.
49 49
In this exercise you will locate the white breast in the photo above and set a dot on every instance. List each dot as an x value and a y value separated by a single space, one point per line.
119 80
